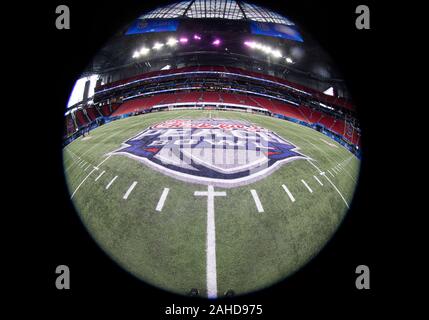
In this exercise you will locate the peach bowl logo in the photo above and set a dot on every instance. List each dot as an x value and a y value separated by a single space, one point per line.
218 152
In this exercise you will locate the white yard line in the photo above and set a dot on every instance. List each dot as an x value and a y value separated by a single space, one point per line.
211 240
80 184
99 176
306 185
130 189
288 193
257 201
110 136
111 181
335 187
329 180
95 168
328 154
317 179
162 199
75 158
331 173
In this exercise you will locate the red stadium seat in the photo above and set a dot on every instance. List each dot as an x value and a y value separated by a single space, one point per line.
302 113
338 126
92 113
327 121
81 119
211 97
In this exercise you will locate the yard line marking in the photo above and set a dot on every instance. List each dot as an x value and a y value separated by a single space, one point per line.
130 189
99 176
342 197
329 180
108 137
257 201
328 154
161 201
75 162
95 168
317 179
305 184
87 167
335 171
211 240
288 193
107 158
74 156
330 173
74 192
110 183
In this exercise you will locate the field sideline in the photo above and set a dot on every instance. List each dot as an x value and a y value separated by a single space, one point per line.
156 227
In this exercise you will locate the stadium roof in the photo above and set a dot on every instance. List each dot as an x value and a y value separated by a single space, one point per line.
217 9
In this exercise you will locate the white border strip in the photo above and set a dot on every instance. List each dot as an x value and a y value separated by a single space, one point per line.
257 201
317 179
306 185
291 197
110 183
130 189
99 176
161 201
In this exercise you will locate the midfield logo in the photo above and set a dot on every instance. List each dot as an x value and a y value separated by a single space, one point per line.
222 153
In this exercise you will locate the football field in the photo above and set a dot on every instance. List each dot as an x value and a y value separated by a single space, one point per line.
179 235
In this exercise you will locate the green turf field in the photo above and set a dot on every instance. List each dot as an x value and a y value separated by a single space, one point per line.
168 248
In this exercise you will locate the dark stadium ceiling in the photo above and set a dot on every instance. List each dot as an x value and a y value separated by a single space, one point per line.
216 9
229 20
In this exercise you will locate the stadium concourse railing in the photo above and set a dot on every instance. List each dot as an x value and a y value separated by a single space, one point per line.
223 70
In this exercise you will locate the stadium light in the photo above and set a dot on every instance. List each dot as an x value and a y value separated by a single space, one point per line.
250 44
289 60
158 46
183 40
264 48
172 42
276 53
197 37
144 51
216 42
325 106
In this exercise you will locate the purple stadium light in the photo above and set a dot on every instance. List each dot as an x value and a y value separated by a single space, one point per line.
183 40
197 37
216 42
250 44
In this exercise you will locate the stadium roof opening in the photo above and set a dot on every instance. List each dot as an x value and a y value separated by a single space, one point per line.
217 9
